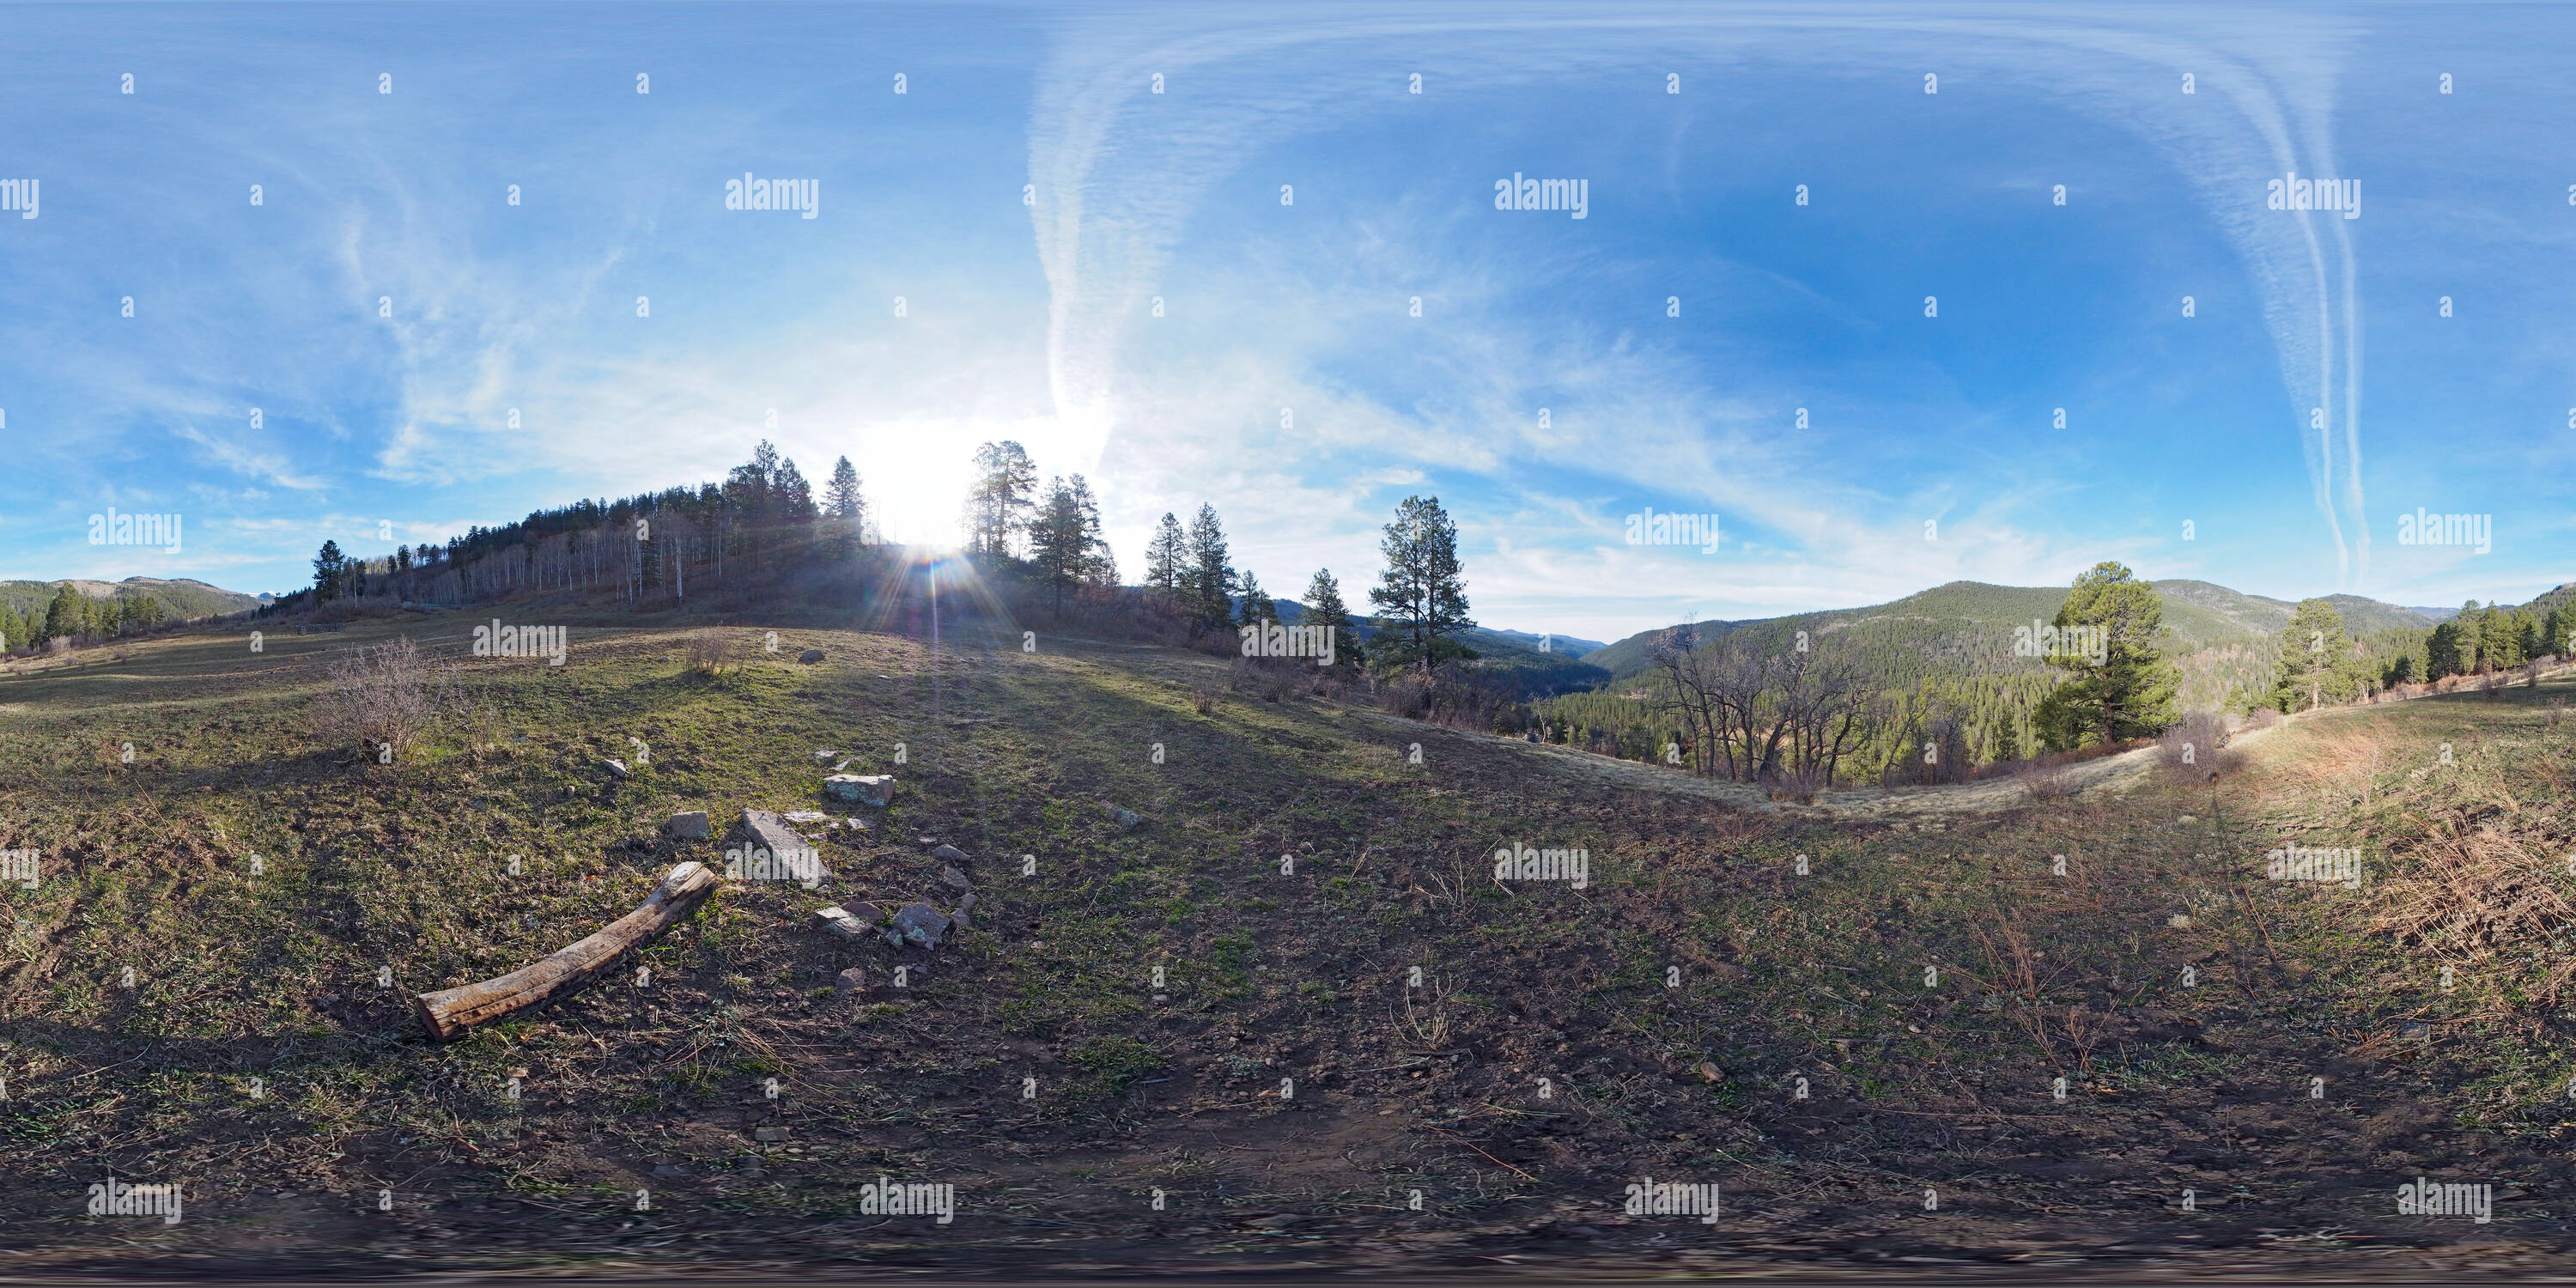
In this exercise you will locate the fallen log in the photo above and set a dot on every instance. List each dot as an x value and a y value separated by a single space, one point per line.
448 1013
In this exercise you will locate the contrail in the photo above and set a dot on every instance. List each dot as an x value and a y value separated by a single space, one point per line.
1117 171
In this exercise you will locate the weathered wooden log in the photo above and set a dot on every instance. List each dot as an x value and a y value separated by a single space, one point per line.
448 1013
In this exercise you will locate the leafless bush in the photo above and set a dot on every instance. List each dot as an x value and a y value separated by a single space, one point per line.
1206 691
2190 750
1408 697
1803 784
713 652
2557 711
386 697
2044 778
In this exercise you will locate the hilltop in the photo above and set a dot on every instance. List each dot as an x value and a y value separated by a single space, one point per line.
181 598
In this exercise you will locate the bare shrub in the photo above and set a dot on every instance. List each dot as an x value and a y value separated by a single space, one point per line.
713 652
2492 684
1206 691
2190 749
2044 777
1803 784
1409 697
2557 711
386 697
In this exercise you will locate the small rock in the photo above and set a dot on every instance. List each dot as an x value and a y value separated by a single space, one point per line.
849 981
949 853
2185 821
810 656
825 754
956 878
806 816
918 925
665 1169
692 825
2179 921
967 902
841 767
1124 818
926 841
865 789
617 769
855 824
840 923
769 1135
866 912
1707 1071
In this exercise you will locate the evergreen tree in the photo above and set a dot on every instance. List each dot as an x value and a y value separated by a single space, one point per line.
1257 606
1324 607
328 568
1065 546
1420 597
2130 693
2314 665
1005 489
1167 560
68 616
1211 577
792 495
846 508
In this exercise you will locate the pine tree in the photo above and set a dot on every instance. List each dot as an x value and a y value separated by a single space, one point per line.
1324 608
791 494
1420 596
1065 546
842 501
1167 560
1256 606
2130 692
68 616
1211 578
328 568
2315 657
1005 489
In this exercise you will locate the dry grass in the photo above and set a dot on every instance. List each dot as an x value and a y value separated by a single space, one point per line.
2480 898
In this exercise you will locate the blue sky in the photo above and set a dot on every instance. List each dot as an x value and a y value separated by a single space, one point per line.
1287 380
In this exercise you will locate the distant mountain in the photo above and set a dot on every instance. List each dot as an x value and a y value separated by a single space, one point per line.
182 598
1968 626
1561 666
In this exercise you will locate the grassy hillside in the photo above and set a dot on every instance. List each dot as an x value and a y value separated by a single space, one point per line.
1245 1038
182 598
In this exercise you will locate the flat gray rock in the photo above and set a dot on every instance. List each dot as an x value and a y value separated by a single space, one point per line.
918 925
864 789
692 825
